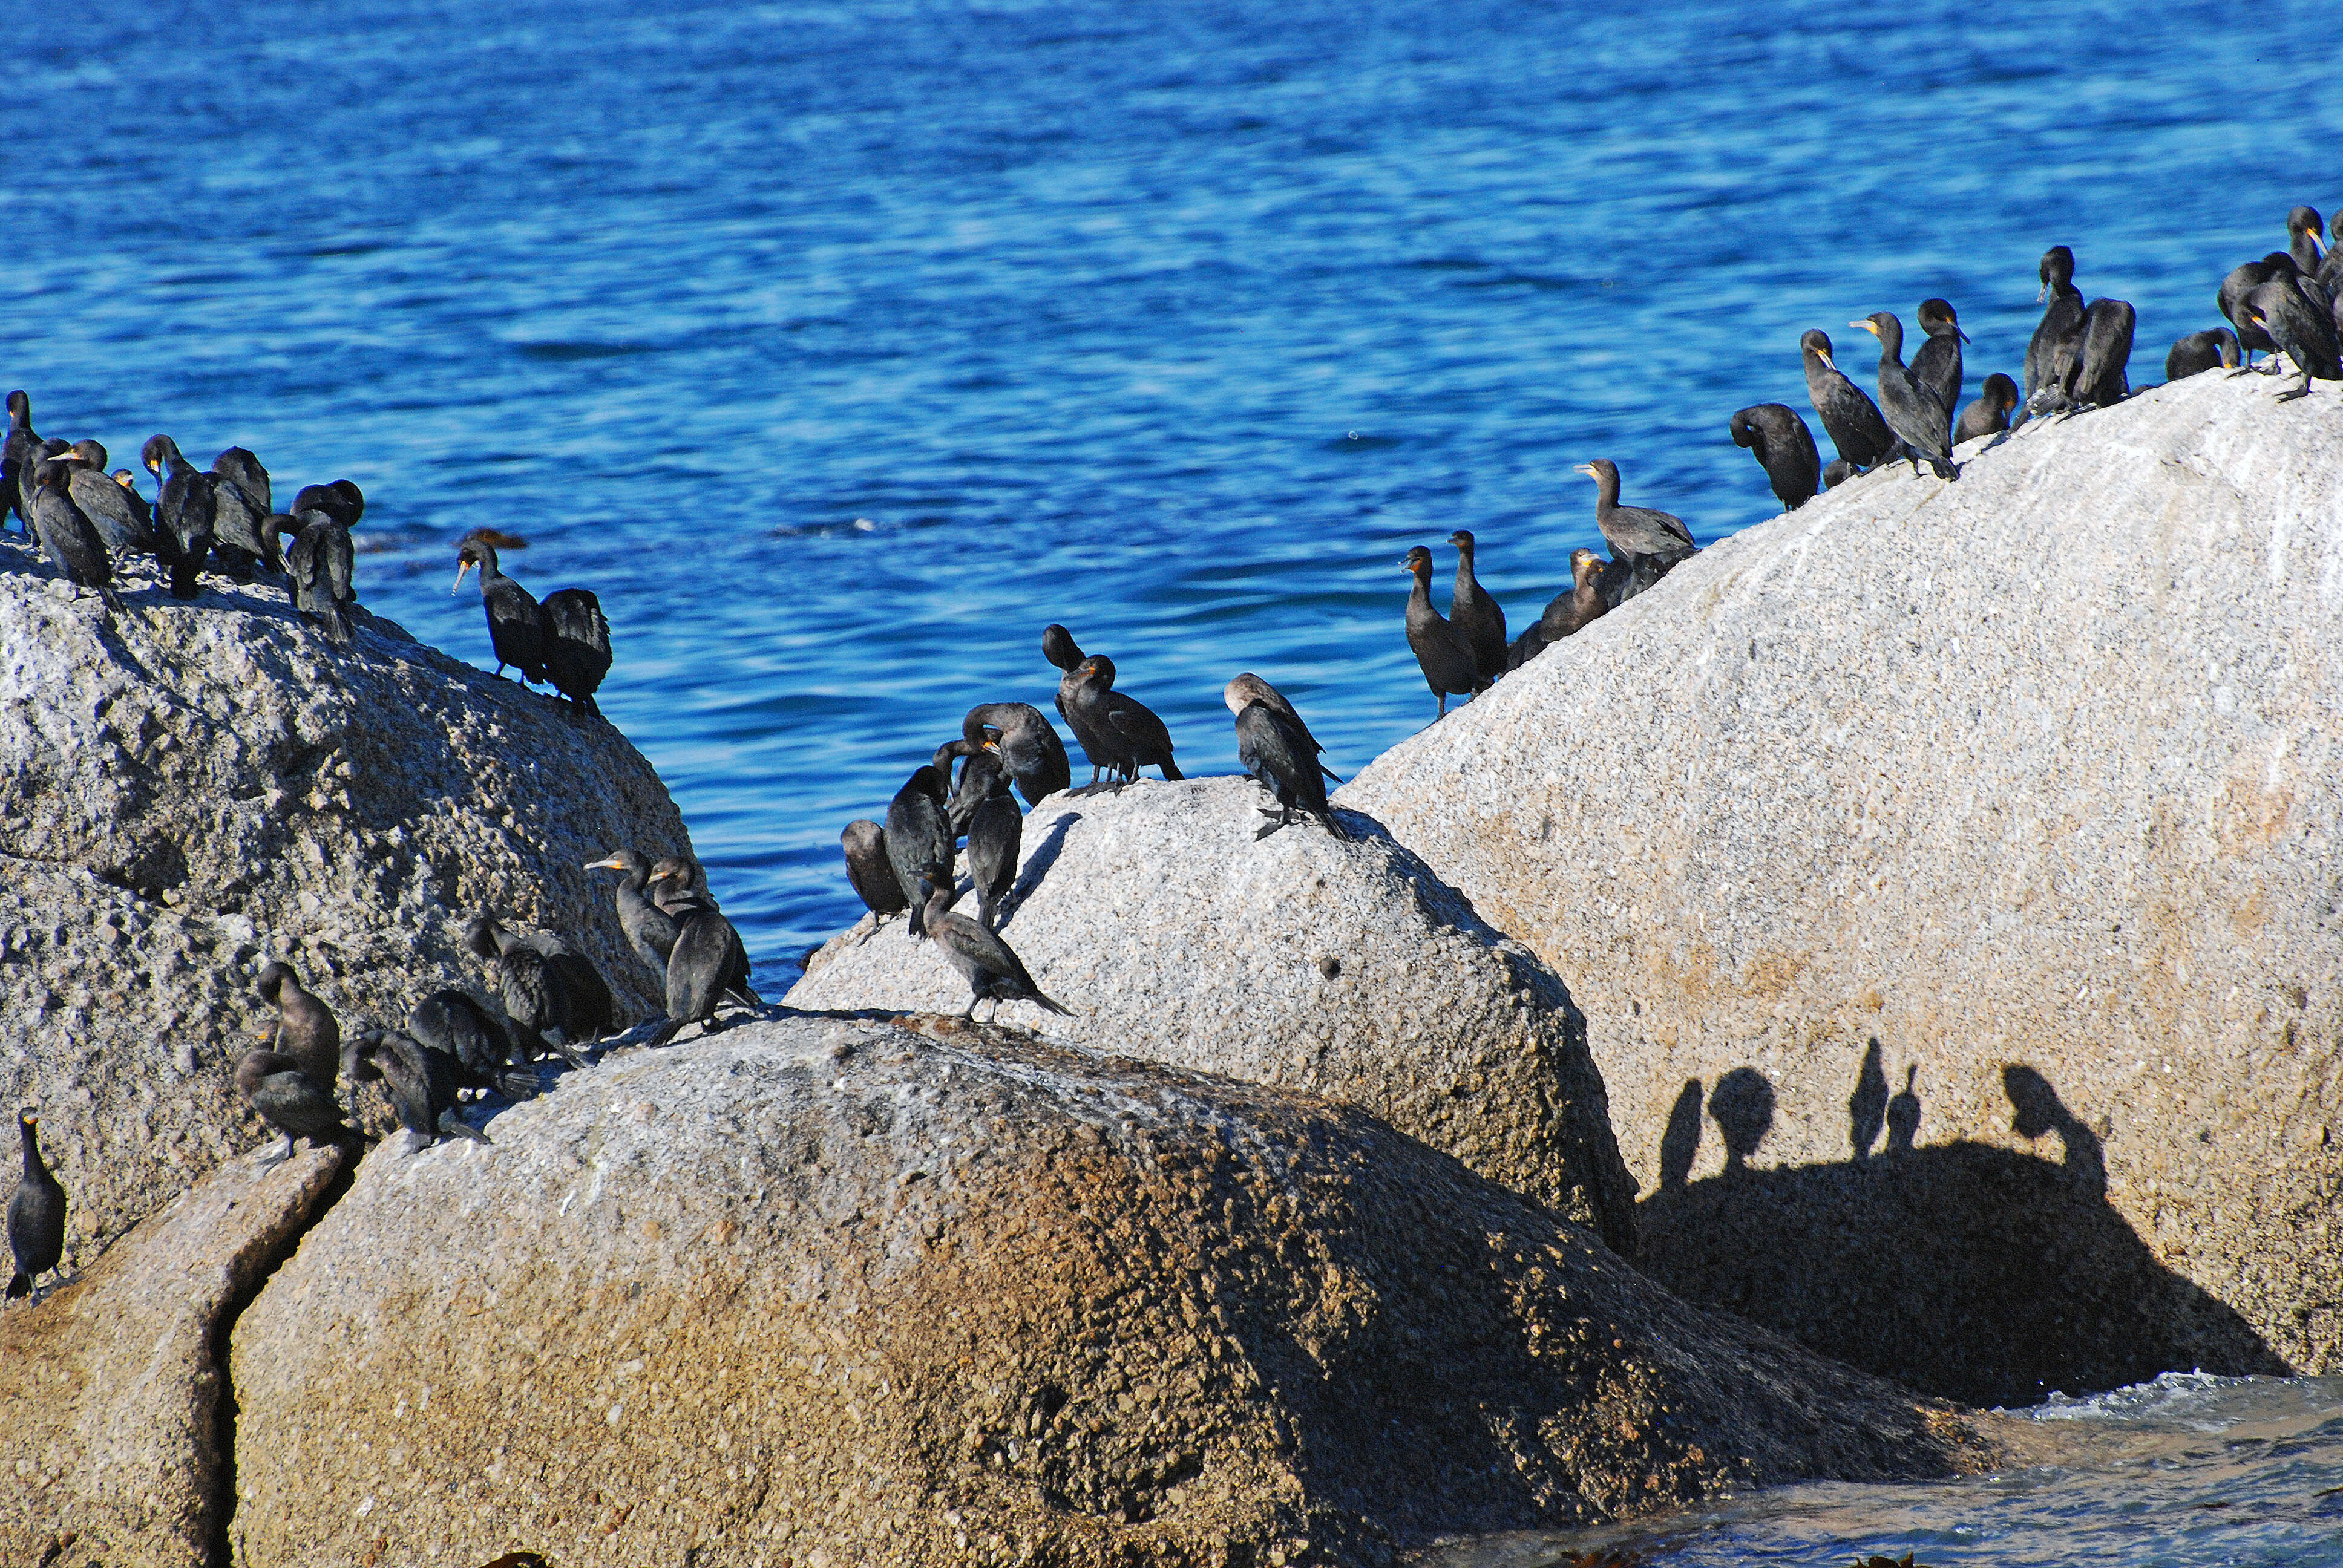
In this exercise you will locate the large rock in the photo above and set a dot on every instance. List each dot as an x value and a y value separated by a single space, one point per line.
1301 960
188 790
834 1291
111 1385
2000 817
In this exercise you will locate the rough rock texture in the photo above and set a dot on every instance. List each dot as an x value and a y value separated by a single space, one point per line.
190 790
1174 935
110 1385
1997 817
832 1292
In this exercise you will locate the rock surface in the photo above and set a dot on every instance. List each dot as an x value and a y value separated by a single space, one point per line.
1999 815
832 1292
110 1385
190 790
1301 960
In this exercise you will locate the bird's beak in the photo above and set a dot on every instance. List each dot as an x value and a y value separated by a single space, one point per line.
2317 245
603 866
461 568
2041 291
1586 468
265 1036
1959 334
1868 326
1828 363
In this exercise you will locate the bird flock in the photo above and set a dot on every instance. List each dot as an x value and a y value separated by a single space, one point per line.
555 1003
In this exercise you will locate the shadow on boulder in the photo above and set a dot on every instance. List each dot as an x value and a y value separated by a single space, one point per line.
1966 1271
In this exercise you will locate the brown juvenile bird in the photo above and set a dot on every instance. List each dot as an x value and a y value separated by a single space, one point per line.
306 1029
281 1089
992 971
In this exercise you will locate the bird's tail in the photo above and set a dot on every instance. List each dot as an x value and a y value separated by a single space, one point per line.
1944 469
665 1032
113 601
1172 770
456 1126
564 1049
518 1083
19 1285
336 626
1041 1000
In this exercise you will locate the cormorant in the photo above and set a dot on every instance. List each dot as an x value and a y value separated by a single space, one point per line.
515 620
118 512
2056 349
2302 241
1254 689
1838 471
919 837
1936 363
650 931
420 1083
1282 756
239 468
1636 531
2242 281
307 1031
1570 612
184 509
577 647
2099 376
709 960
1478 619
1784 449
2330 271
318 564
980 773
1028 745
17 457
996 833
593 1011
1911 409
679 887
1058 646
2215 348
869 869
532 987
1989 414
1448 666
1850 418
2279 309
67 537
991 970
1138 737
235 521
36 1212
290 1100
341 500
449 1020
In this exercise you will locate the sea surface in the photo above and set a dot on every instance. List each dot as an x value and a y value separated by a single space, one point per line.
841 348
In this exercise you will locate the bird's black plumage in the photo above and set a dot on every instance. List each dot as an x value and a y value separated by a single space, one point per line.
1028 745
1989 414
2241 281
593 1011
16 457
1130 730
2214 348
1911 410
919 837
307 1031
2308 337
236 519
996 833
319 565
1478 619
1252 688
36 1214
515 620
118 512
1282 756
577 647
535 994
2100 379
452 1020
1849 417
184 509
992 971
2055 351
1784 448
869 870
420 1083
1448 665
650 931
1937 364
67 537
1636 531
2302 241
708 961
289 1100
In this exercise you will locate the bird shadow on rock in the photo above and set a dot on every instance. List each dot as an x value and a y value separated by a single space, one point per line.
1037 865
1962 1270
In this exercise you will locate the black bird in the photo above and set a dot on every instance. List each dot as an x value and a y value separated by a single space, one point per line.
1636 531
650 931
452 1022
919 837
36 1214
2330 271
1849 417
420 1083
1138 738
1478 619
118 512
2215 348
593 1011
2100 374
531 986
2279 309
2302 240
341 500
1911 409
319 564
16 457
1254 689
991 970
1058 646
239 468
996 833
2242 281
1570 612
1448 665
1281 755
307 1031
679 888
184 509
2056 350
870 870
1989 414
577 648
1937 364
980 773
67 537
236 519
1784 449
1837 472
1028 746
515 620
281 1089
708 961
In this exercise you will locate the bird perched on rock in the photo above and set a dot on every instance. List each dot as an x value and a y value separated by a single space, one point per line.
2302 242
650 931
1785 449
708 962
240 469
1448 665
979 772
1837 472
993 972
185 508
236 545
2100 380
1026 743
342 500
869 870
289 1100
1571 611
36 1214
536 997
450 1021
1849 417
2055 351
515 620
1281 755
1128 731
996 833
307 1031
2241 281
420 1083
16 457
67 537
1254 689
2215 348
919 837
593 1011
1635 534
118 511
319 564
1477 619
577 645
1989 414
1911 409
1937 365
2279 309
